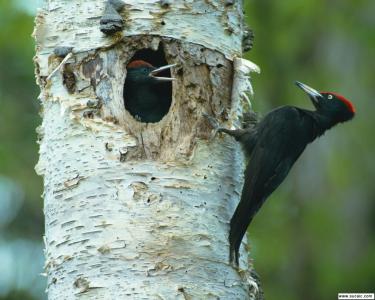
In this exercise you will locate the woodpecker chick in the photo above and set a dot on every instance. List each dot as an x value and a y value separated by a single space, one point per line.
274 145
147 96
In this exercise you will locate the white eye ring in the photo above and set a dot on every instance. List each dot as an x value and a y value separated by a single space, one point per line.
330 97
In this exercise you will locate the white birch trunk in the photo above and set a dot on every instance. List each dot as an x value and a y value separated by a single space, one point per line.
134 210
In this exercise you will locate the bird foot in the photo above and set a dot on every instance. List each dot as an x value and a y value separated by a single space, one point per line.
213 122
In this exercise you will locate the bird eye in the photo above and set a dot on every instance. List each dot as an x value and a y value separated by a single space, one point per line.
330 97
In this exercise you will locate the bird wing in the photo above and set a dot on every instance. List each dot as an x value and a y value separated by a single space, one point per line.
279 143
277 149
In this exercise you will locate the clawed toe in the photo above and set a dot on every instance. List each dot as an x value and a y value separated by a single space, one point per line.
213 122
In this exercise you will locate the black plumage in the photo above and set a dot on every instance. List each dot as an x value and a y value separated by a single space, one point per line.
273 145
146 96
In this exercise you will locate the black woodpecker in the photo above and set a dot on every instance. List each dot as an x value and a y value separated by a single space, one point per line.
146 96
273 146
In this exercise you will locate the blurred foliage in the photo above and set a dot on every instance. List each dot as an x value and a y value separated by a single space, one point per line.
21 227
19 115
315 235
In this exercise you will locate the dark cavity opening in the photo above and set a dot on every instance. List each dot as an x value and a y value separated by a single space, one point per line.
145 97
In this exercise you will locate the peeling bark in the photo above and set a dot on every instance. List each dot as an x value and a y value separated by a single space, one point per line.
136 210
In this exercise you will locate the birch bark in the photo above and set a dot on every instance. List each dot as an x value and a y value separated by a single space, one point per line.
135 210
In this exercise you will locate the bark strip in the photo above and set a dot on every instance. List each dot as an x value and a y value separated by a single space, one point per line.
135 210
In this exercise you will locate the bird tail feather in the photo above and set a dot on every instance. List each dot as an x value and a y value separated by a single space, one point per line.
239 224
238 229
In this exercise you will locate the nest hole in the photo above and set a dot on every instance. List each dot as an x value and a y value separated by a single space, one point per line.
147 97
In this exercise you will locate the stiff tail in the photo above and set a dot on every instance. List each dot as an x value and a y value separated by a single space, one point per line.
241 219
238 227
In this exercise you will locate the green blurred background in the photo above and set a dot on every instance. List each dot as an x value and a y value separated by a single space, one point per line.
315 235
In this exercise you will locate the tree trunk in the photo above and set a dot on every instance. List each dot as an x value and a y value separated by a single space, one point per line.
136 210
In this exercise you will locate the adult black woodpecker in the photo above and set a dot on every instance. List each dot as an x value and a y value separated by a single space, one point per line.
147 96
273 146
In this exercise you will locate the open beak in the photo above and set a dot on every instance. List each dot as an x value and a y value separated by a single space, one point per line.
314 95
153 73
